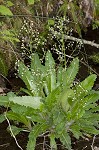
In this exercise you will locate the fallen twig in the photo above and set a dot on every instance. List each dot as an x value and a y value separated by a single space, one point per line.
82 41
12 133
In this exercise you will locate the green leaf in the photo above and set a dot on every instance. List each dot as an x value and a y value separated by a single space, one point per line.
37 118
60 72
39 73
22 110
51 22
30 113
52 98
20 118
28 78
26 91
9 35
90 117
75 129
4 101
37 69
28 101
30 2
91 98
5 11
51 73
59 127
65 139
59 121
71 73
66 98
80 107
53 144
95 109
90 129
37 130
85 86
82 90
2 118
9 4
11 94
14 129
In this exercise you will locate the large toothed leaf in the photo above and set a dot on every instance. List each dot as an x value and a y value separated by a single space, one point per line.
53 144
85 86
75 129
36 131
88 127
37 69
51 73
82 105
17 117
65 139
27 77
84 97
49 61
71 73
91 98
14 129
28 101
66 98
52 98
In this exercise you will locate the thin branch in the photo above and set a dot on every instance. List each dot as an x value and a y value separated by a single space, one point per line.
82 41
35 16
92 146
27 15
12 133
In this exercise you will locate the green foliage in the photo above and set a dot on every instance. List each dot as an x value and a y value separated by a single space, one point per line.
30 2
9 3
8 35
33 102
37 130
55 104
20 118
2 118
15 130
5 11
7 55
51 22
3 65
95 58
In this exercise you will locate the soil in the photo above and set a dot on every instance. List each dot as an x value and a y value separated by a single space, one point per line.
8 143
